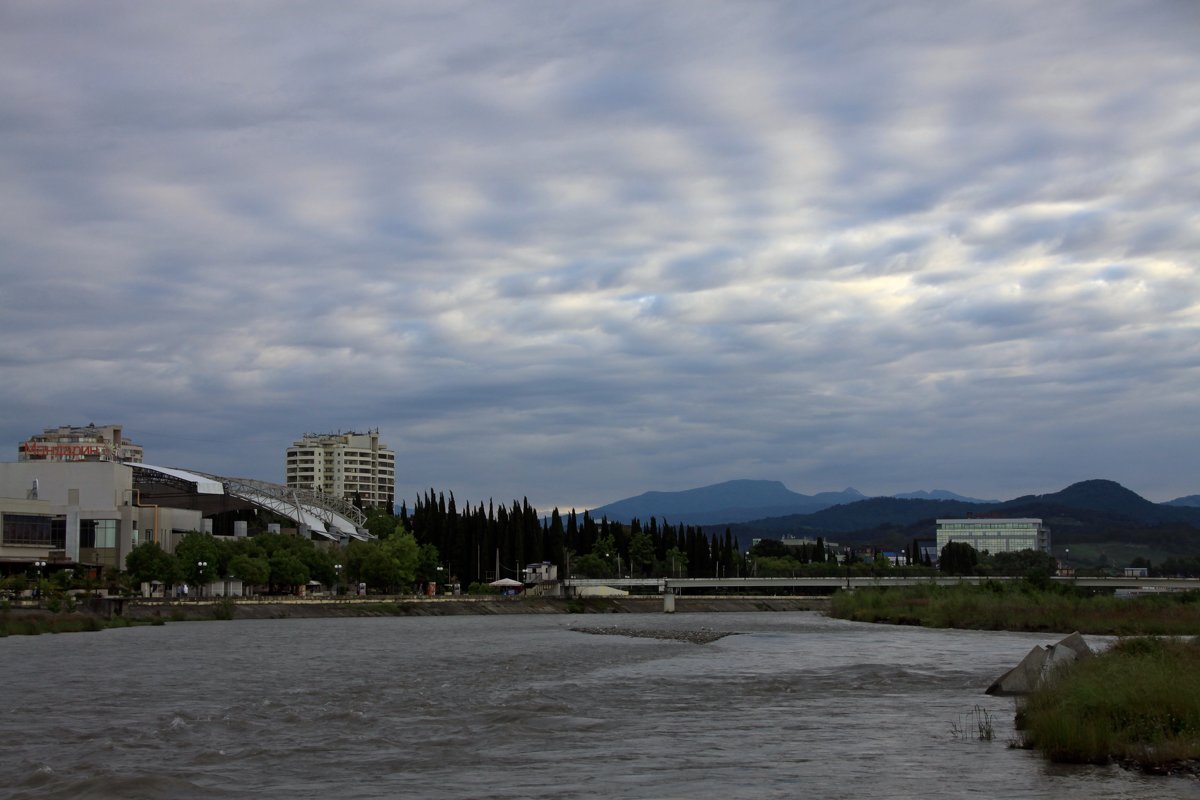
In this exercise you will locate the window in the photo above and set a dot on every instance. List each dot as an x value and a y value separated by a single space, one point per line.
30 529
98 533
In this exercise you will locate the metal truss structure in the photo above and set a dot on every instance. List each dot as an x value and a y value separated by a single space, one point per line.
324 515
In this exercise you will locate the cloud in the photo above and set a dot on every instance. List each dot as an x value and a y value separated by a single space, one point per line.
577 253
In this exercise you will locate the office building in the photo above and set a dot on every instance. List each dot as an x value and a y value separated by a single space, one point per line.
995 534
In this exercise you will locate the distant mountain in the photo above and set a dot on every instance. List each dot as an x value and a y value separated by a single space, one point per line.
870 513
1191 501
941 494
728 502
1086 511
1104 498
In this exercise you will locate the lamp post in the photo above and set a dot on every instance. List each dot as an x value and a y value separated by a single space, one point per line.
200 565
337 581
37 589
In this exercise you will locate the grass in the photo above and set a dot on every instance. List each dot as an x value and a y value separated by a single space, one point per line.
1137 703
1020 606
32 625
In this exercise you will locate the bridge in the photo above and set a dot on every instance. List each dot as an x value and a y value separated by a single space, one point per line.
673 586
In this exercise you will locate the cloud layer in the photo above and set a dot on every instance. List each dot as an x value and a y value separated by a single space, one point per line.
575 252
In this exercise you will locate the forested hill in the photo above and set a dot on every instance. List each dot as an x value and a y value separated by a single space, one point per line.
1101 499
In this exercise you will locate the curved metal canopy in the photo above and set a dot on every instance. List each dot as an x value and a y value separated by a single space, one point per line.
324 515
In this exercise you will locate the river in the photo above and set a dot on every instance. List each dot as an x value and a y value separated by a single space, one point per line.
793 705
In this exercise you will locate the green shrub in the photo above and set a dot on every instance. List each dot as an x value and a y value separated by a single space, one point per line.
224 608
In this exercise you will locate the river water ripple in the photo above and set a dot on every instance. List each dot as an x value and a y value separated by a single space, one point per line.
792 705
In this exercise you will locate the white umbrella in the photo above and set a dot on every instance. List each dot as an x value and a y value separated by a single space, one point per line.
506 583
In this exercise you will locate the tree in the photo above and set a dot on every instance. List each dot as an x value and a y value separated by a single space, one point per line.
958 558
641 552
403 548
591 566
381 524
770 548
428 561
676 563
195 549
251 570
148 562
287 571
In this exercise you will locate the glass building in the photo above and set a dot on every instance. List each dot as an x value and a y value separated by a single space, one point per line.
995 534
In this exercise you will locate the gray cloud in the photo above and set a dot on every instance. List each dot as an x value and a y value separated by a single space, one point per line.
574 253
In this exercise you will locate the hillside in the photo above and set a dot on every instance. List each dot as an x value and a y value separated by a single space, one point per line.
1190 500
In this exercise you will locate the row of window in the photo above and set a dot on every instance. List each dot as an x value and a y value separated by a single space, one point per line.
988 526
37 531
34 531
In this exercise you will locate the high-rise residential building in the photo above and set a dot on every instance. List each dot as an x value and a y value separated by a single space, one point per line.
69 443
354 466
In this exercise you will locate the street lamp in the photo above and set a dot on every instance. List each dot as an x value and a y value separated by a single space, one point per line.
200 565
337 568
37 589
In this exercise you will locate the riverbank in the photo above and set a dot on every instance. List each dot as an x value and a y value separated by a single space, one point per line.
141 612
1020 606
1137 703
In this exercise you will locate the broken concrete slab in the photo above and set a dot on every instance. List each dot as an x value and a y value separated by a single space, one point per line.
1039 664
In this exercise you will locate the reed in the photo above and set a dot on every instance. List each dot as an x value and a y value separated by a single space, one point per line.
1020 606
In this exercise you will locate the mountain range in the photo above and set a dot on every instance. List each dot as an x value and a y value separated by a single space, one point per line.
1092 517
742 501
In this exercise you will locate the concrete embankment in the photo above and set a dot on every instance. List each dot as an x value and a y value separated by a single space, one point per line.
452 606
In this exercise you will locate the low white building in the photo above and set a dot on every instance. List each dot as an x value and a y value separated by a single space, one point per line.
995 534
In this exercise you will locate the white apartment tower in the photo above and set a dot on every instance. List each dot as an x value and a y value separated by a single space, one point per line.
354 466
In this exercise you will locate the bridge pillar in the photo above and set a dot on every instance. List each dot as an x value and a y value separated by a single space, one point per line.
668 602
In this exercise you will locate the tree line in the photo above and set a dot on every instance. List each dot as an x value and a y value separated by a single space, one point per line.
481 543
280 563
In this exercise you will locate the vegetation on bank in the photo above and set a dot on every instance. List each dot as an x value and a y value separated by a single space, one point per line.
1137 703
1023 606
52 622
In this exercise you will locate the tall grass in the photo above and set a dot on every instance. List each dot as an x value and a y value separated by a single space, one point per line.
49 623
1137 703
1022 606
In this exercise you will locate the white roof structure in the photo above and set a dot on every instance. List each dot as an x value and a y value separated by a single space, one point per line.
203 483
323 515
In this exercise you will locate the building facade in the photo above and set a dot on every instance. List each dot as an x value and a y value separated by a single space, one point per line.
70 443
80 515
353 466
995 534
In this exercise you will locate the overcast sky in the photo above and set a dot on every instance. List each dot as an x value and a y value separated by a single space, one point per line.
578 251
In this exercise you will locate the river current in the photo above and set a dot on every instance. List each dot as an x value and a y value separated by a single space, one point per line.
793 705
